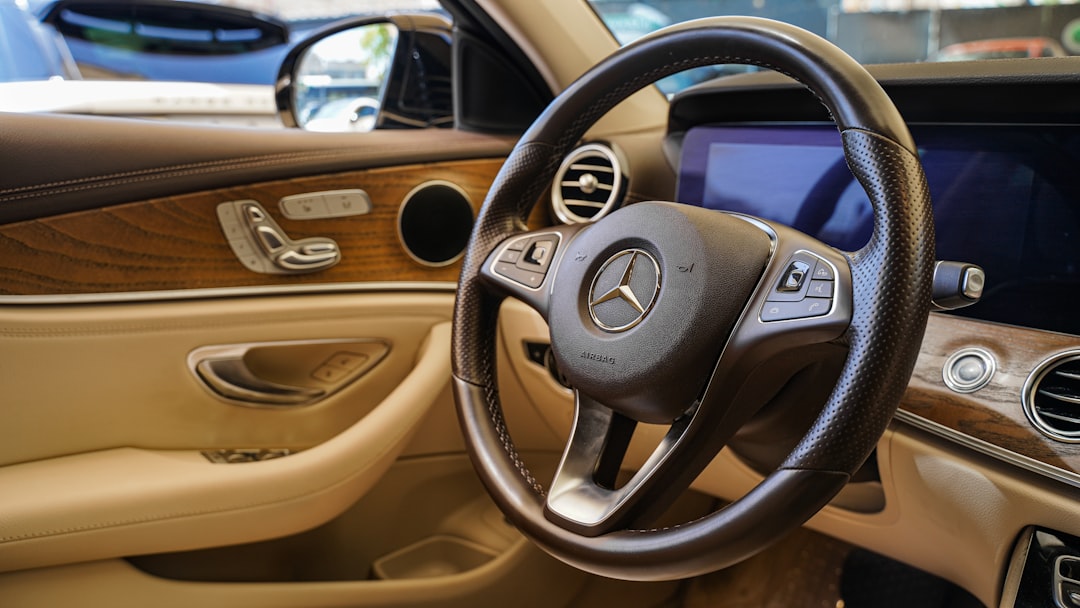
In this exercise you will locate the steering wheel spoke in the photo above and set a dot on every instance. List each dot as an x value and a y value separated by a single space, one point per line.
804 299
586 495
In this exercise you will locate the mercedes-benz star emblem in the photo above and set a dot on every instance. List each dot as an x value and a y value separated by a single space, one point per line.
624 290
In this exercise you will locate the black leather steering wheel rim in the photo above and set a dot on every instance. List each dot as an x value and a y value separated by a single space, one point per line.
891 279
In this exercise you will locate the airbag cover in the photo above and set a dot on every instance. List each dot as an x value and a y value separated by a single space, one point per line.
644 302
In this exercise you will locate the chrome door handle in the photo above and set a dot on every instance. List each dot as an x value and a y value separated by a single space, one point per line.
284 374
232 379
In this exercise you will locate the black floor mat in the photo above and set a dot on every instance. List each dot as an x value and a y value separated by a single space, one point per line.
874 581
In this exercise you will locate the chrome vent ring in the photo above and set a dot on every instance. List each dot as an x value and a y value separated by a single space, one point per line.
591 182
1051 397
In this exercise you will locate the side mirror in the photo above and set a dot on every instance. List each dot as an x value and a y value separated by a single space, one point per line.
367 73
165 26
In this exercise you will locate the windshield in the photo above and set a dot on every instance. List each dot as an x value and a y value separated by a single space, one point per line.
873 31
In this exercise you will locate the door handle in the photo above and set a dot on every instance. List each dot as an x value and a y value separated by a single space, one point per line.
232 379
287 373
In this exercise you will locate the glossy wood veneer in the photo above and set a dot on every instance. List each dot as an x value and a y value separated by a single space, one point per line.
177 243
993 414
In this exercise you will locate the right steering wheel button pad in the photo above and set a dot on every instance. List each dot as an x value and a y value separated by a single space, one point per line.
526 259
805 289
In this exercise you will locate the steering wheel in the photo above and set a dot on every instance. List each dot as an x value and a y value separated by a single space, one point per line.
672 314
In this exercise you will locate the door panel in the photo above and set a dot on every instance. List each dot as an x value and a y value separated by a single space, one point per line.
80 379
114 269
104 423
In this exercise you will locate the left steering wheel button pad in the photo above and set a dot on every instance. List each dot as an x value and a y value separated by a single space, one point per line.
526 259
525 277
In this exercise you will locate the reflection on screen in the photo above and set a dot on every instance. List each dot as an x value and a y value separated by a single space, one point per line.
805 186
1006 198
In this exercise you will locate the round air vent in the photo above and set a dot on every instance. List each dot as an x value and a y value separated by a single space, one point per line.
591 183
1052 397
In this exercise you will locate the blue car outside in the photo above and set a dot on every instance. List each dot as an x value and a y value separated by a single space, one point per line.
30 50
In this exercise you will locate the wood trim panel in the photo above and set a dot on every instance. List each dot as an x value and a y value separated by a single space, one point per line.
992 414
176 242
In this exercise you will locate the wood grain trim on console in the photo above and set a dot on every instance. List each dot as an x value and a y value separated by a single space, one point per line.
992 414
176 242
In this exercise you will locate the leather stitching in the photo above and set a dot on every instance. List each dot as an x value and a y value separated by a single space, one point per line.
160 172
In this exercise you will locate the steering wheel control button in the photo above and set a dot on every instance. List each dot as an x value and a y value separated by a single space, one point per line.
796 281
794 276
968 370
803 309
820 289
624 290
525 260
527 278
816 280
510 256
539 252
823 271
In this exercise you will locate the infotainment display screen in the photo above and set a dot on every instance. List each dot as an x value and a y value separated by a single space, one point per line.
1005 197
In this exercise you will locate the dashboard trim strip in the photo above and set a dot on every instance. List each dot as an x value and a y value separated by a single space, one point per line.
989 449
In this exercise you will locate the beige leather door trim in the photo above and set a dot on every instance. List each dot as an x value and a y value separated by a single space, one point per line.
129 501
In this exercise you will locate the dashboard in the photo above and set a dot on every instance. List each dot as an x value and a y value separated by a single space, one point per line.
999 141
1000 144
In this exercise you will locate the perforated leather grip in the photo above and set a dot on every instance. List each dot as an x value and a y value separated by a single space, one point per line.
892 277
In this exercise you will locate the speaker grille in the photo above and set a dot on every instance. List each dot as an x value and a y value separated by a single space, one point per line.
434 223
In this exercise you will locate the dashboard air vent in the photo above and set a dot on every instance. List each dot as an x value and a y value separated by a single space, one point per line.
1052 398
590 184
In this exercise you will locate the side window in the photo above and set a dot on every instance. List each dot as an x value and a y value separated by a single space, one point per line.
202 61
